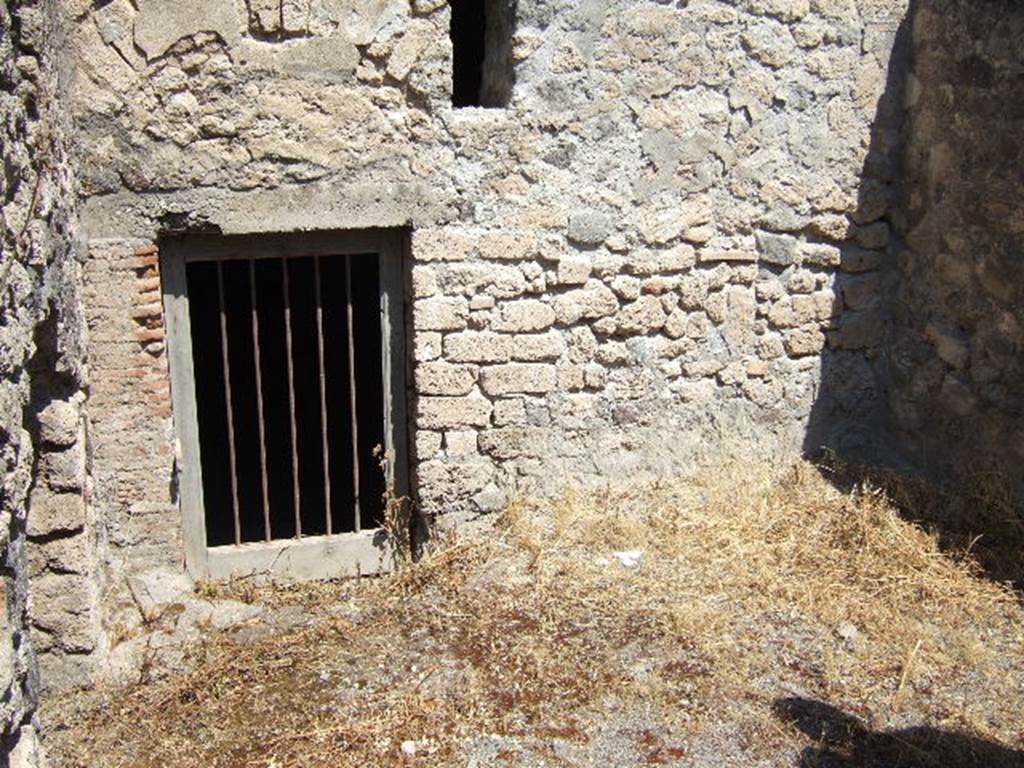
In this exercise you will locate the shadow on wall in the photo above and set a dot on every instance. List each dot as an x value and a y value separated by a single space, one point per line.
842 741
850 415
924 367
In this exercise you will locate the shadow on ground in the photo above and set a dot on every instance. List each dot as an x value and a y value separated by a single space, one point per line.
843 741
977 514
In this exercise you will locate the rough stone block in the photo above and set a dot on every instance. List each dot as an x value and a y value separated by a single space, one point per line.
858 330
800 281
159 24
441 313
449 412
61 606
64 470
524 315
757 369
589 227
701 368
506 246
442 378
770 43
59 424
593 301
481 302
437 244
740 316
770 346
656 225
676 324
573 271
407 51
490 499
514 442
832 226
733 373
862 291
951 344
473 277
426 346
512 378
820 255
626 287
595 376
778 250
781 313
535 347
424 282
156 590
460 443
693 290
804 341
785 10
643 316
478 347
509 412
55 512
860 260
873 235
613 353
570 377
65 553
428 444
805 309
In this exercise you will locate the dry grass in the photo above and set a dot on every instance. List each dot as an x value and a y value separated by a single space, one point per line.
758 587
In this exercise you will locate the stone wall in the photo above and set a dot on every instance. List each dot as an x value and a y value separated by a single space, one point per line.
676 235
958 335
43 537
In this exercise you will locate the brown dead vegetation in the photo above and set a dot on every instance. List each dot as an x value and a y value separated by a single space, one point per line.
758 587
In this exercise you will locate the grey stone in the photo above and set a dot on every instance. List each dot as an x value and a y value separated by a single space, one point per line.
589 227
778 250
154 591
59 424
490 499
162 23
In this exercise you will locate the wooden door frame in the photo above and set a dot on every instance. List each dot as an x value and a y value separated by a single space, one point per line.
311 556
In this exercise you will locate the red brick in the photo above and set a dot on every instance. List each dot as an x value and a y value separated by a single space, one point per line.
150 334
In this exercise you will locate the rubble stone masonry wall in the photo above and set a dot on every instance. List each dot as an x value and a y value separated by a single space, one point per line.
676 234
690 226
958 333
45 539
656 240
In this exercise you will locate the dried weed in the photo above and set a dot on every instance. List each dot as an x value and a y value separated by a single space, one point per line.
755 582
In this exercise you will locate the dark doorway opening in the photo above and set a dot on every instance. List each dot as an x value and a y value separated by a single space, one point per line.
297 342
481 34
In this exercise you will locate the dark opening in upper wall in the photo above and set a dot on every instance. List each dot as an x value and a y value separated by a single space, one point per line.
481 32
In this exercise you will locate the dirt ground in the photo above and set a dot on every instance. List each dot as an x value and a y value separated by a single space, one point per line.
752 616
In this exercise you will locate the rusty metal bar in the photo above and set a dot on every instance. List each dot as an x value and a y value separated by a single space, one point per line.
291 400
323 393
259 400
352 395
227 398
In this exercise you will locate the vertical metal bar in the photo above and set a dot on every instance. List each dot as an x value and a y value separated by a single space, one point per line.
352 394
323 393
227 398
259 399
291 399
